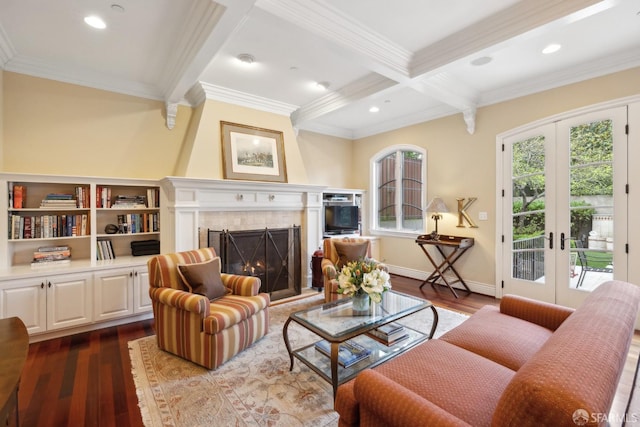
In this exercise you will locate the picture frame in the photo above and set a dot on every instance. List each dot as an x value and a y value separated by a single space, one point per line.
252 153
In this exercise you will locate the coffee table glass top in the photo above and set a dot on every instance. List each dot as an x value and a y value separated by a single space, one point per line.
336 320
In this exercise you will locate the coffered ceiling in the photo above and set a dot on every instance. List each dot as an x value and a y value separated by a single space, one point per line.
414 60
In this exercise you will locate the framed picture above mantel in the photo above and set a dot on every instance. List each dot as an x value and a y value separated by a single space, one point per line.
252 153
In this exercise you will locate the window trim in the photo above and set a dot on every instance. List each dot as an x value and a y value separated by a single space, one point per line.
374 165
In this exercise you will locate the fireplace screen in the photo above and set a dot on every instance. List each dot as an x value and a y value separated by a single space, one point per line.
272 254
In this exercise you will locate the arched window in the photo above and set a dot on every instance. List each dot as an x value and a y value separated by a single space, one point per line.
398 187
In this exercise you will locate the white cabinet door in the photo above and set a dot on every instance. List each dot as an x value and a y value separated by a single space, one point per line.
113 293
26 299
141 299
69 299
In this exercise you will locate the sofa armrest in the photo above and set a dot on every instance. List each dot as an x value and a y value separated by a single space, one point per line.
545 314
194 303
389 403
244 286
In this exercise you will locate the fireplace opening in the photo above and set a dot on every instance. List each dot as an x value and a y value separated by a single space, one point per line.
272 254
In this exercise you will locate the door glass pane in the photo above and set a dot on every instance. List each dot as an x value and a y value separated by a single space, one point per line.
591 204
387 192
528 209
412 191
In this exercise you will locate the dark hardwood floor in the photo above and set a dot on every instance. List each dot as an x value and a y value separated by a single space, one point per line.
85 379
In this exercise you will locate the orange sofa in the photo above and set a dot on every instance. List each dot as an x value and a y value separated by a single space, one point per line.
526 363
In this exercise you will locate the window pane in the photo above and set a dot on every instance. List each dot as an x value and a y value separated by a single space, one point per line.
387 192
412 191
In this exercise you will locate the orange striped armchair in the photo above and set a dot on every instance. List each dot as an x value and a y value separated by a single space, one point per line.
331 258
205 332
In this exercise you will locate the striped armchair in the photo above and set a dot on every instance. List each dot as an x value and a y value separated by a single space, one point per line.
190 326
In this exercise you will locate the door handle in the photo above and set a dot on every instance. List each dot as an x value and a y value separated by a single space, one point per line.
551 240
562 241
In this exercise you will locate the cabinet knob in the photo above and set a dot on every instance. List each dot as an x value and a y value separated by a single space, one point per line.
240 196
130 274
41 285
272 197
135 274
49 284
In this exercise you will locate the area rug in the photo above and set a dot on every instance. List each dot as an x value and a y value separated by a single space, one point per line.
255 388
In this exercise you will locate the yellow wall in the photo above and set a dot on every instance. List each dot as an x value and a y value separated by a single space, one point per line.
59 128
326 159
202 157
463 165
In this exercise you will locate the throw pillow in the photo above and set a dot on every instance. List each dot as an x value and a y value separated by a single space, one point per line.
350 251
203 278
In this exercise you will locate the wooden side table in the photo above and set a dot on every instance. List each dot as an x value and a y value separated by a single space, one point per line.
14 340
458 246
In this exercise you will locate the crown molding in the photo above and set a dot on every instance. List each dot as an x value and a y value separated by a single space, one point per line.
384 56
244 99
7 50
82 77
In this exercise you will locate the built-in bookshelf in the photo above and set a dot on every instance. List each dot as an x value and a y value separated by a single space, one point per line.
75 212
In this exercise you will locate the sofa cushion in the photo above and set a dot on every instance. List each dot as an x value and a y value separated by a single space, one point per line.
232 309
350 251
460 382
506 340
203 278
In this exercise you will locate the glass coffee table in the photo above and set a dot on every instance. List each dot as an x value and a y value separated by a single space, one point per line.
335 323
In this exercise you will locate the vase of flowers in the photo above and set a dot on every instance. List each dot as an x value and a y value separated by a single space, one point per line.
365 282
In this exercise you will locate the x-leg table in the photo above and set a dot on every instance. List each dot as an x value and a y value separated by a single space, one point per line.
458 246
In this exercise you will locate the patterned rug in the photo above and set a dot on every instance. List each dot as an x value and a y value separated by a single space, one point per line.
255 388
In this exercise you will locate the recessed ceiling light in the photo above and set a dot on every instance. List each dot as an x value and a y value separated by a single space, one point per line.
322 85
483 60
246 58
95 22
374 109
552 48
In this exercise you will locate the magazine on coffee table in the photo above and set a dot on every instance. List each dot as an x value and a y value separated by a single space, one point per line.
349 353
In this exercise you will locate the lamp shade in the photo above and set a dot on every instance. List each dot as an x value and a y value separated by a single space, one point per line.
437 205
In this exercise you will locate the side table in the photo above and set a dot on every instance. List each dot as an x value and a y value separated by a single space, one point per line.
458 246
15 347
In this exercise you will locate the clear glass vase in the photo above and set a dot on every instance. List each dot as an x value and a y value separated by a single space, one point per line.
361 304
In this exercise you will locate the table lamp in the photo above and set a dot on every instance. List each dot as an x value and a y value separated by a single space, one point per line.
437 206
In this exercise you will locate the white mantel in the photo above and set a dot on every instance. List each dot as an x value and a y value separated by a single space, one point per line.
184 199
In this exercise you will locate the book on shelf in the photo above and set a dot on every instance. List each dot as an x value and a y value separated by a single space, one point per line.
53 263
52 254
104 250
389 333
349 353
19 196
130 202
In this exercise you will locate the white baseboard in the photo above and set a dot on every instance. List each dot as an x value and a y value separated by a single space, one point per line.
477 287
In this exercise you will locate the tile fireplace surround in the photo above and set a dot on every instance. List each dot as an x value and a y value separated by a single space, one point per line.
191 205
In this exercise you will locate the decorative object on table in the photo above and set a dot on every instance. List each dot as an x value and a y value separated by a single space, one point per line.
437 206
252 153
364 280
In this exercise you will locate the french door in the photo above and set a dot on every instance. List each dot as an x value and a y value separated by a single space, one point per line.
564 210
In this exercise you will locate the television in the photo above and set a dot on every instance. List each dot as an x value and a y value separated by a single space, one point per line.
341 219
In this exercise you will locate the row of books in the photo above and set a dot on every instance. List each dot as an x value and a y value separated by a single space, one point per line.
51 255
349 352
78 199
138 223
105 199
105 250
47 226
